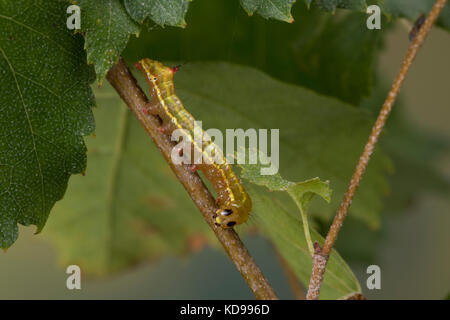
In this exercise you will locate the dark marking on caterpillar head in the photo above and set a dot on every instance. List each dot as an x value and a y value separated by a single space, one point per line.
226 212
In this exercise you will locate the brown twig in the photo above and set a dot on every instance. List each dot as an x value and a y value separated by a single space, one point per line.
125 84
321 255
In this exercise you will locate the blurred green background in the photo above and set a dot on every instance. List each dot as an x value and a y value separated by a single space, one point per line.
412 250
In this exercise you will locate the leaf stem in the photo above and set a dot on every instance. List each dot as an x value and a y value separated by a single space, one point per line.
305 224
126 86
321 255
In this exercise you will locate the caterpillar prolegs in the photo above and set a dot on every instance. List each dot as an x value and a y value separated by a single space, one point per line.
233 201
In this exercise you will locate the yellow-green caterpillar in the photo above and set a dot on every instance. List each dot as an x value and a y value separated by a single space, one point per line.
234 202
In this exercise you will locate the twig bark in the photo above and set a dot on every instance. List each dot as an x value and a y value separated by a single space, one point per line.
126 85
321 255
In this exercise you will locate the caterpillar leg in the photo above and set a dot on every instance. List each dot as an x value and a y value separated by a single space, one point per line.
221 198
179 150
150 108
181 157
215 220
165 128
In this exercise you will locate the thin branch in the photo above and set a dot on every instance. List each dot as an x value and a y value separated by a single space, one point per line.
321 255
126 85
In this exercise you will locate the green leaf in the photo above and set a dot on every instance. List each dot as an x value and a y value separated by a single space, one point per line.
327 5
319 136
412 9
167 12
331 5
129 206
301 192
46 103
333 63
275 9
409 9
285 230
108 27
316 51
357 5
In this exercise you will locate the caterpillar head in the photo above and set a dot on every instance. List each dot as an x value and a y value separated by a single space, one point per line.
158 76
229 215
156 71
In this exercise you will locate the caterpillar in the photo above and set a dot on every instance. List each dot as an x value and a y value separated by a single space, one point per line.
233 201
